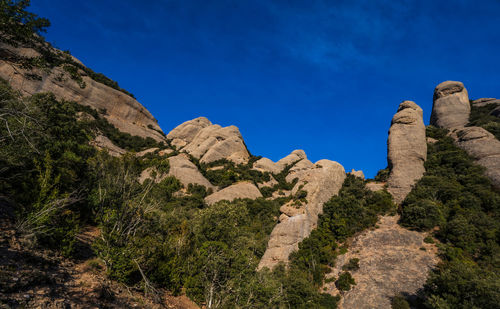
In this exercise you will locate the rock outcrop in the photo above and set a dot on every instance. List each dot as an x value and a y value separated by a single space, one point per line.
101 142
208 142
477 142
182 169
451 105
406 150
392 261
266 165
483 147
122 110
185 170
485 101
359 173
238 190
321 181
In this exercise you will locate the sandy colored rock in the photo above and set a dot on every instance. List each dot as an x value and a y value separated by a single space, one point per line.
483 147
359 173
186 132
485 101
182 169
292 158
239 190
321 181
145 152
185 170
291 210
165 152
101 142
266 165
375 186
406 150
123 111
451 106
209 142
390 262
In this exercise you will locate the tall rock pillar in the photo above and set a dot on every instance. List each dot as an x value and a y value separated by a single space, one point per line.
406 150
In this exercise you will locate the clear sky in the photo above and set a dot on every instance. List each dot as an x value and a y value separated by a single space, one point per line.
323 76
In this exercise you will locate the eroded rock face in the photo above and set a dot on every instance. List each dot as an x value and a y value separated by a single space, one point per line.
391 262
185 170
476 141
292 158
485 101
101 142
123 111
182 169
239 190
186 132
321 181
359 173
208 142
266 165
483 147
406 150
451 106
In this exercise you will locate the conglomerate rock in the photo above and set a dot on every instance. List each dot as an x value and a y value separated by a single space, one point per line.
242 189
208 142
451 106
406 150
321 181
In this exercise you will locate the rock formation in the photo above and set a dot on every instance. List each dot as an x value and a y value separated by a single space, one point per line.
359 173
185 170
391 261
321 181
483 147
451 105
101 142
123 111
477 142
242 189
406 150
182 169
208 142
485 101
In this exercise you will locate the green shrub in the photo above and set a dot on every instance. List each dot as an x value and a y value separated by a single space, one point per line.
399 302
352 265
345 281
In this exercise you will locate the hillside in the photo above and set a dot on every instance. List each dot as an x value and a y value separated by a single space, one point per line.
100 209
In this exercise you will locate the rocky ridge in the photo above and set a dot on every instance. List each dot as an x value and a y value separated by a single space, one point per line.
121 110
321 181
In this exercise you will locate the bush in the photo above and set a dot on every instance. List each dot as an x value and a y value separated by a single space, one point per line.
399 302
352 265
344 282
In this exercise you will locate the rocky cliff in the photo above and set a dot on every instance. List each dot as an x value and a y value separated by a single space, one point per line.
451 110
321 181
406 150
29 71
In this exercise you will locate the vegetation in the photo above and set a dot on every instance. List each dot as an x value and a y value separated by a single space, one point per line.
353 210
345 281
223 173
481 116
456 197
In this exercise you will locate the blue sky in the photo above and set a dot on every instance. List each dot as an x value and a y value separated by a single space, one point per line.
323 76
